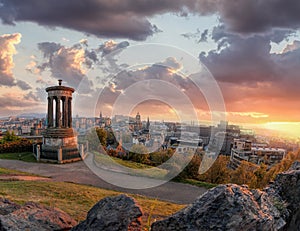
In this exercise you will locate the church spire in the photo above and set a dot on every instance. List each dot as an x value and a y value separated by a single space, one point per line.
148 123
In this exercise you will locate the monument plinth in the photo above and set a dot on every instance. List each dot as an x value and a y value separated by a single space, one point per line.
59 139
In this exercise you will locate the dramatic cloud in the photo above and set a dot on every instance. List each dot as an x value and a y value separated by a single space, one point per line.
112 46
248 16
108 50
7 50
251 76
240 60
129 18
157 80
171 64
66 63
291 47
119 18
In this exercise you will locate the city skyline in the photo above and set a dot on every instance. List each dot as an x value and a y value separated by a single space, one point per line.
254 57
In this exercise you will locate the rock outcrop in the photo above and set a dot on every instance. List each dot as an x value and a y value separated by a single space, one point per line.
113 213
233 207
226 207
33 217
285 192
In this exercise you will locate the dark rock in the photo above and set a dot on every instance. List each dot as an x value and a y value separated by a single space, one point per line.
7 206
35 217
226 207
113 213
295 166
286 194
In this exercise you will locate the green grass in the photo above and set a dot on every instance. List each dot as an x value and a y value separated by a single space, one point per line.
196 183
24 156
136 169
77 200
4 171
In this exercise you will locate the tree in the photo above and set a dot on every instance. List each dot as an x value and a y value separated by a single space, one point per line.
111 139
244 174
102 136
192 169
218 173
10 137
282 166
260 173
139 153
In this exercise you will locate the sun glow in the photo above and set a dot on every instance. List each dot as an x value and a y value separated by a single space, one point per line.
286 128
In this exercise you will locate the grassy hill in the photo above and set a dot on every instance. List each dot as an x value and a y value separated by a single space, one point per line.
75 199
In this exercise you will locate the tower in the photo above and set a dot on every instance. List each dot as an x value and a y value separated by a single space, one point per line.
148 124
138 122
59 139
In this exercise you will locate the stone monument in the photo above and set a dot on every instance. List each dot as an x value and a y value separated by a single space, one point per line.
59 139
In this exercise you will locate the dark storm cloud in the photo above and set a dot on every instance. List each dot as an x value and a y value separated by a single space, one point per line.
119 18
129 18
251 76
243 59
238 58
248 16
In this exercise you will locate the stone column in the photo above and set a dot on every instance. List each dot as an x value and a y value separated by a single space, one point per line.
50 112
63 111
58 113
69 112
66 112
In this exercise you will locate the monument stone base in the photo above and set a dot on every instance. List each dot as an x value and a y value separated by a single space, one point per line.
60 146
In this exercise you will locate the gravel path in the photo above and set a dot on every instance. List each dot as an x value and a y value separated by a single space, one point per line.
78 172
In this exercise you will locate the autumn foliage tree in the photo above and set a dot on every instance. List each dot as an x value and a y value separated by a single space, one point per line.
11 143
218 173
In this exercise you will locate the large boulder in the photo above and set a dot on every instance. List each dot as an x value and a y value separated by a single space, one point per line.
113 213
226 207
33 217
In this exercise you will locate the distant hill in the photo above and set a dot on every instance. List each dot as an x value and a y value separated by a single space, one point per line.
32 115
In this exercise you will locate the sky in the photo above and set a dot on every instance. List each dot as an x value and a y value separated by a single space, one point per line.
246 51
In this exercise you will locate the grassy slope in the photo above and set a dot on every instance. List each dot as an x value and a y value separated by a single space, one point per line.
133 167
76 199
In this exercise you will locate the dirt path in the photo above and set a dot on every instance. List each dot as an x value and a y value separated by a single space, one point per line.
79 173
